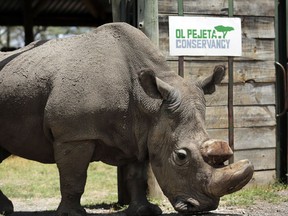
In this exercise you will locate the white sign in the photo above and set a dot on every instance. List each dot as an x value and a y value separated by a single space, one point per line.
205 36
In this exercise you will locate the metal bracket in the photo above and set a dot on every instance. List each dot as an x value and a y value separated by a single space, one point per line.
141 14
285 109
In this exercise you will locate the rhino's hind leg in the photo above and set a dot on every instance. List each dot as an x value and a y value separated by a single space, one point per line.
137 184
72 161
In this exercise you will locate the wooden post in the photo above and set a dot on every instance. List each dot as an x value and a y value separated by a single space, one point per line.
147 21
180 58
116 10
119 10
230 92
8 37
147 16
28 21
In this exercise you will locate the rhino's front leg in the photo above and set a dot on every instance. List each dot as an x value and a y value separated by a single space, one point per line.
136 178
72 161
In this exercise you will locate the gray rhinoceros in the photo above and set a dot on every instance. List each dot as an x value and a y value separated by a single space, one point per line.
110 96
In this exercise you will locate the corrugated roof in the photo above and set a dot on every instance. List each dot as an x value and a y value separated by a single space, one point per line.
56 12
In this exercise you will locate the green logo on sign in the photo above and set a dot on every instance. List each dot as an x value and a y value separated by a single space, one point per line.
224 29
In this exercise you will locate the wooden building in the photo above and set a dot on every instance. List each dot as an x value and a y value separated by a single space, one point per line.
254 79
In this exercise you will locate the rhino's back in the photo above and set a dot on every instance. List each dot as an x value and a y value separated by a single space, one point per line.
96 89
79 88
90 63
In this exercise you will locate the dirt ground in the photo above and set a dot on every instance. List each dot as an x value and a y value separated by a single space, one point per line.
46 207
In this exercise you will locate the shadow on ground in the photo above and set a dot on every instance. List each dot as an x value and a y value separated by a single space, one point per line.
113 209
121 213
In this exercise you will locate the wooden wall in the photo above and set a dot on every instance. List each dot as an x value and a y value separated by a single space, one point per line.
254 79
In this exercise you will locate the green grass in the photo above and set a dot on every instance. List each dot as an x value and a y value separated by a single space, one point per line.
250 195
20 178
24 179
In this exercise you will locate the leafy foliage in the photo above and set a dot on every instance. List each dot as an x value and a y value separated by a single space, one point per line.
20 178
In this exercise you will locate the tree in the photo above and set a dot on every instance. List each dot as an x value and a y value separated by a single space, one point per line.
224 29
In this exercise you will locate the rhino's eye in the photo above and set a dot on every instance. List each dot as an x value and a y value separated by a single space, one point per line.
181 156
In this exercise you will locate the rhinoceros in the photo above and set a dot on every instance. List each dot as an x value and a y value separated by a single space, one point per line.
109 95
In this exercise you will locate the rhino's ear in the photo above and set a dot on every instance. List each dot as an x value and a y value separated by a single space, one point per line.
208 84
153 86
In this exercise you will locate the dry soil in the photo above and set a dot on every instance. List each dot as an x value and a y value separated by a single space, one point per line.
46 207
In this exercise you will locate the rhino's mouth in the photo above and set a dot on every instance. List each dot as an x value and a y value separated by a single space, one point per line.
186 205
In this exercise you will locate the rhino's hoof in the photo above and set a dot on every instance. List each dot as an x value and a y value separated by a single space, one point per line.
143 209
71 212
6 209
6 206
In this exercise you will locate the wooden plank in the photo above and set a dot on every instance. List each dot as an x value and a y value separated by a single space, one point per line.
253 116
256 71
195 7
258 27
167 6
254 8
262 178
206 7
244 94
248 138
244 71
216 117
244 116
257 49
262 159
220 7
170 6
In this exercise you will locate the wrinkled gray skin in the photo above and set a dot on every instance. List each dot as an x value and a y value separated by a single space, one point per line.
109 96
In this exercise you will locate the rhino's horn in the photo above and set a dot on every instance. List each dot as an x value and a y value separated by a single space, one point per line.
215 152
231 178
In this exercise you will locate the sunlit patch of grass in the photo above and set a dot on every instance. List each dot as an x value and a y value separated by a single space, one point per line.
20 178
101 184
248 196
